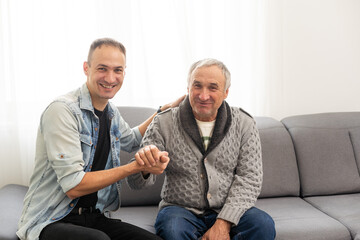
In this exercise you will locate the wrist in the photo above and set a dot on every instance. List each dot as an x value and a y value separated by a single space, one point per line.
136 167
223 224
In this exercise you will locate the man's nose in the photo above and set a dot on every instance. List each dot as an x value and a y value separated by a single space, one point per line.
204 95
111 77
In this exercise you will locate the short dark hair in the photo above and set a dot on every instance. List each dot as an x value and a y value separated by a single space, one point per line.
104 41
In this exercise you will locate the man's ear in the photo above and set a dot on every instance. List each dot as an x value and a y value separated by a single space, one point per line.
86 68
226 93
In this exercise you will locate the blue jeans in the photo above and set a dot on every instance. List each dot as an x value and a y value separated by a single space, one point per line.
177 223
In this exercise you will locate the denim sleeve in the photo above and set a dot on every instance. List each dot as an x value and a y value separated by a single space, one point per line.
130 137
63 147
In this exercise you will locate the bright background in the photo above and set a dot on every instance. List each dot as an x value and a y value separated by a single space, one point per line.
286 57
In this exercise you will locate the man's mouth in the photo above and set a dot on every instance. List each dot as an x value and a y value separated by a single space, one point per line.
107 86
204 103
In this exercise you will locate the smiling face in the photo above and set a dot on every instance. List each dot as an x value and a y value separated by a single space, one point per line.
105 74
207 92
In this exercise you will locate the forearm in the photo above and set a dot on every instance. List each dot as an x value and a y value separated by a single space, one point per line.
143 126
94 181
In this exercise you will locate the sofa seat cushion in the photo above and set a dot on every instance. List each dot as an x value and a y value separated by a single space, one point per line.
11 203
296 219
344 208
142 216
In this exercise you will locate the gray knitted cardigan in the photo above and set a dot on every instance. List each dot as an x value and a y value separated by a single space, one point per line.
226 177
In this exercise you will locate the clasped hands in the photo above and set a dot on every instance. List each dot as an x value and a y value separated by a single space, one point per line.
152 160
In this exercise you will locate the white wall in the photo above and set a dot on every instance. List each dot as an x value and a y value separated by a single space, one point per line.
316 47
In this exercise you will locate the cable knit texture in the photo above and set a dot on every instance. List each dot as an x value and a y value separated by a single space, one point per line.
226 178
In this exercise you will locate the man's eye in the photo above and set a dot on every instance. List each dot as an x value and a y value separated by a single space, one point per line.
118 70
102 69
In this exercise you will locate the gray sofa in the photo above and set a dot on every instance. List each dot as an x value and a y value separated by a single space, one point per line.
311 182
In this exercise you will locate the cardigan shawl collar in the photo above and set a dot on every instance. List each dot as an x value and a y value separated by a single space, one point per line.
222 125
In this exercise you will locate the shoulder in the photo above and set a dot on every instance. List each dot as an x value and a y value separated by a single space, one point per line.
165 121
59 109
164 112
58 115
239 113
166 115
69 97
242 120
69 101
65 105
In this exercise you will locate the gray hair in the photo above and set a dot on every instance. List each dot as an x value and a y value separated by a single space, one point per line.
107 42
207 63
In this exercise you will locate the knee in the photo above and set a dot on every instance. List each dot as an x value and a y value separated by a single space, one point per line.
255 224
267 226
175 223
98 235
169 228
264 225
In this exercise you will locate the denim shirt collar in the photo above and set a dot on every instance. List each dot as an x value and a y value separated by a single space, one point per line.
86 102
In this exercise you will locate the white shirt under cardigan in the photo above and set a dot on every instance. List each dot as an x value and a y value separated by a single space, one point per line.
226 177
206 130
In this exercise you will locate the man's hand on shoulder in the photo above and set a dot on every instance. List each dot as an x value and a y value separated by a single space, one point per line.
173 104
219 231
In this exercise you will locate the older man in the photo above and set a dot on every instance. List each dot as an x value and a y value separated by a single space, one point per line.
215 173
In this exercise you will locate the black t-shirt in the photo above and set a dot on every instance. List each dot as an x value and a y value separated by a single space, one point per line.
102 150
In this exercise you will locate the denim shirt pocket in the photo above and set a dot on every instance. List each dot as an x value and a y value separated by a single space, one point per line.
86 147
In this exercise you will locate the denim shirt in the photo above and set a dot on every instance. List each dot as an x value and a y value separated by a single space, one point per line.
65 148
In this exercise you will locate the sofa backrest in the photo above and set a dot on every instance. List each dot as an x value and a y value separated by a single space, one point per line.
281 175
149 196
327 147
